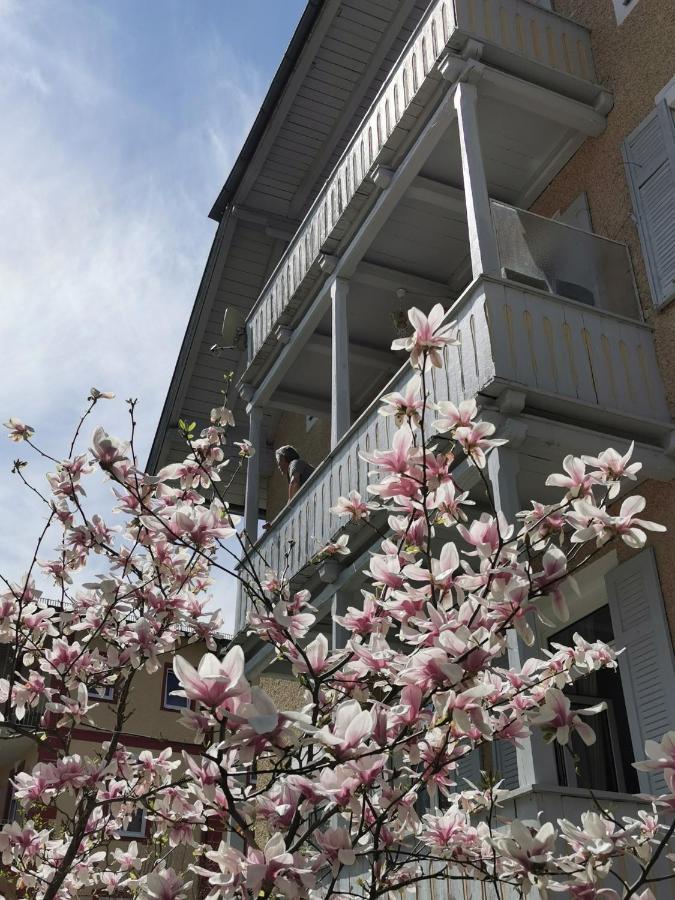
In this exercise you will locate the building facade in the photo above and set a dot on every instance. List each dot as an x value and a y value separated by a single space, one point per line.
515 161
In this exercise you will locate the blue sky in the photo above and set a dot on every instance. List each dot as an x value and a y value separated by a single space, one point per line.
121 121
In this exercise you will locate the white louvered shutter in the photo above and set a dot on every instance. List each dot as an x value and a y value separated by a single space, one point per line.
468 768
649 155
647 665
506 764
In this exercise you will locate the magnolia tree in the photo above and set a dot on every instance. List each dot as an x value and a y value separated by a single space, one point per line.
356 792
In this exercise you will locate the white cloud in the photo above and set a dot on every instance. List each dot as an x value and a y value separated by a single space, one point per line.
103 200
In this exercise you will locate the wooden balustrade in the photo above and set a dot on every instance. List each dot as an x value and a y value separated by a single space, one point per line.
562 354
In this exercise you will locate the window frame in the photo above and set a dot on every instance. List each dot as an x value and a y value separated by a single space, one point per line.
127 834
176 706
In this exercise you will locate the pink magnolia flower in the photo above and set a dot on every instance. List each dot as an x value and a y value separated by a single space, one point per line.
475 440
396 460
108 451
215 680
613 467
127 858
455 416
661 756
430 336
95 394
577 481
557 719
590 523
405 405
340 547
337 848
222 416
246 449
164 884
352 725
353 506
18 430
272 866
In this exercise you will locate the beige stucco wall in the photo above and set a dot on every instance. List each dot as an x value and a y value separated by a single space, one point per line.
148 719
634 61
312 445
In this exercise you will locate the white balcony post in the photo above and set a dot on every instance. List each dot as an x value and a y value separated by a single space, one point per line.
339 605
252 498
482 240
340 393
536 759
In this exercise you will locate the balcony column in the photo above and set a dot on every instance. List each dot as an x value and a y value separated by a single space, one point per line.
340 418
482 239
536 760
252 497
339 605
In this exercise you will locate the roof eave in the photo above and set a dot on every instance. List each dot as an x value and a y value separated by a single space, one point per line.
262 120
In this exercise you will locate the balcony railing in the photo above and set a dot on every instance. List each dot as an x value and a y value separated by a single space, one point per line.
561 325
507 27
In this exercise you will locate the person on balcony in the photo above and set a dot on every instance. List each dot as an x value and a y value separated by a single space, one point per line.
296 470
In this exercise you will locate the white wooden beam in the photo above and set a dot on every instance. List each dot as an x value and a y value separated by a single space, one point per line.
302 404
482 239
366 356
542 102
252 496
386 277
436 193
354 100
341 414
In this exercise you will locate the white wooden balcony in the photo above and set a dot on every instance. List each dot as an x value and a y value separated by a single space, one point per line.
560 330
520 43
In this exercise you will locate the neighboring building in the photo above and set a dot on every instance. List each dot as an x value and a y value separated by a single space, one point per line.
517 163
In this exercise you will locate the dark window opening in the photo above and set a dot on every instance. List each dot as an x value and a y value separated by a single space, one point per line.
607 764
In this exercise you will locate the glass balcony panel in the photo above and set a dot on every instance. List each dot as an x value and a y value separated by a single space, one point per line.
566 261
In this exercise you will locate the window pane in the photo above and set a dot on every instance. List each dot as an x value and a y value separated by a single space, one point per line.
171 683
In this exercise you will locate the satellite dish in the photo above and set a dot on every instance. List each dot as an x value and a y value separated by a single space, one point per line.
234 328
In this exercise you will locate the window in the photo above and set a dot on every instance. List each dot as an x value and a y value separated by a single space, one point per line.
622 8
607 764
649 157
171 684
135 826
101 692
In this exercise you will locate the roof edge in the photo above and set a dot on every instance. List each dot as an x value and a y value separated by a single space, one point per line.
266 111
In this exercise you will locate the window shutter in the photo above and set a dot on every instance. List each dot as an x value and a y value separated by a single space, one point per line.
505 762
468 768
647 665
649 156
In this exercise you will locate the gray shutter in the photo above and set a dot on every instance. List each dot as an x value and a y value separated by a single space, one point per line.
506 763
649 155
647 665
468 768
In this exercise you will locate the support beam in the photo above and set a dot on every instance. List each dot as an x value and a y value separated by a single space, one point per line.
436 193
391 279
482 240
252 497
358 353
303 404
545 103
339 605
341 413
